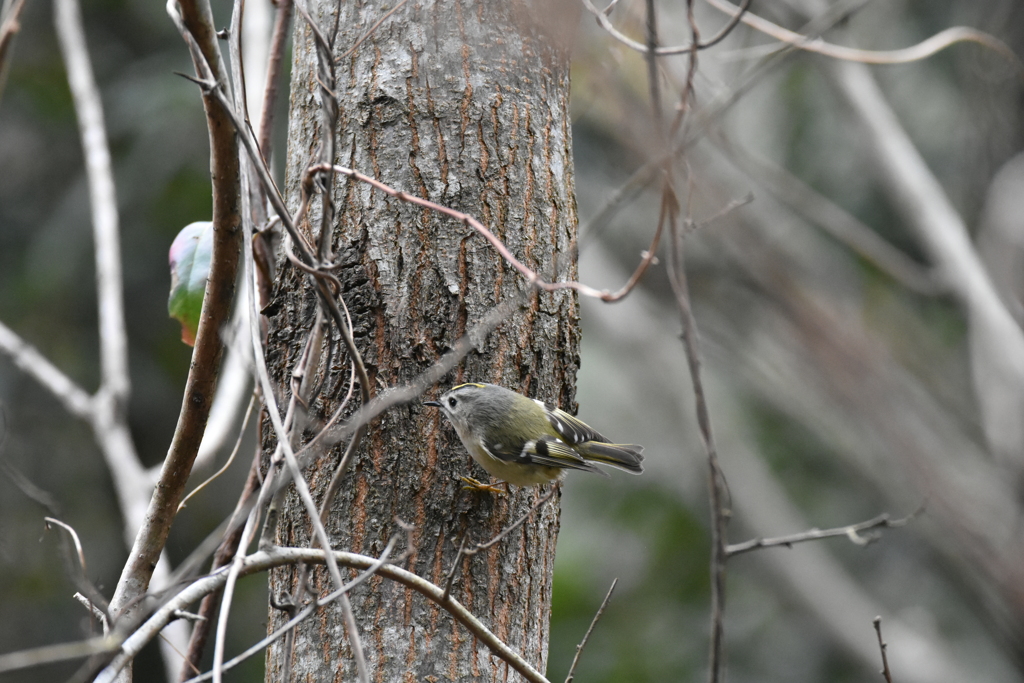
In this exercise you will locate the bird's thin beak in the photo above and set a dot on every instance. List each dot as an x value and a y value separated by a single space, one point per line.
434 404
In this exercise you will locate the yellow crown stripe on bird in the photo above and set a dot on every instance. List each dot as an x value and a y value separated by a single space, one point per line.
524 441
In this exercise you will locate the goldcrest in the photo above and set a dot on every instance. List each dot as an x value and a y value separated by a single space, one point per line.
525 441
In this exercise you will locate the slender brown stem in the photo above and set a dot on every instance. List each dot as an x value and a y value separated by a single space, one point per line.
648 49
882 646
197 18
851 532
469 552
586 637
278 557
282 20
225 551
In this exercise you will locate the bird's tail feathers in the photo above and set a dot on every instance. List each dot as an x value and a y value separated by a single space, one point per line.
625 456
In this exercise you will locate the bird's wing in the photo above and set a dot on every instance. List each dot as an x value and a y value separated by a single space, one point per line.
547 451
572 430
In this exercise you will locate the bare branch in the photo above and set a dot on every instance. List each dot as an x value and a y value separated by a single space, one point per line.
196 22
469 552
233 388
586 636
602 19
284 444
62 652
74 560
227 463
282 20
230 535
329 116
414 389
851 531
303 615
25 356
996 338
74 537
370 31
102 199
833 219
531 276
326 438
926 48
95 611
717 486
882 647
277 557
228 594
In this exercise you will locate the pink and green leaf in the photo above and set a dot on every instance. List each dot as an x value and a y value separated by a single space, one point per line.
189 258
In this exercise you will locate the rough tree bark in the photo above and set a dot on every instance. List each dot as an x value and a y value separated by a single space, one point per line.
464 103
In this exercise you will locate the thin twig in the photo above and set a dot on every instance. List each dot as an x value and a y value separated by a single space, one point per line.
294 470
516 524
288 626
74 537
328 126
469 552
228 594
108 415
231 536
586 636
370 31
831 218
606 24
448 580
717 487
882 647
469 221
75 562
231 458
926 48
290 225
851 532
305 253
277 557
282 19
188 616
114 380
400 395
95 611
344 323
195 18
29 360
413 389
62 652
282 430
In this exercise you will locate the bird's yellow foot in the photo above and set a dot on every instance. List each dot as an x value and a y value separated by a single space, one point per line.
475 485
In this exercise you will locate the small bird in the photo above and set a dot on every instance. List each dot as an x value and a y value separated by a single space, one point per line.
524 441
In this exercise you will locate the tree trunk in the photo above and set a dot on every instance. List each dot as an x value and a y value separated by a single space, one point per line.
464 103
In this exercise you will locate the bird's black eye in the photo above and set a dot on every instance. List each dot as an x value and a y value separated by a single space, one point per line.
452 402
